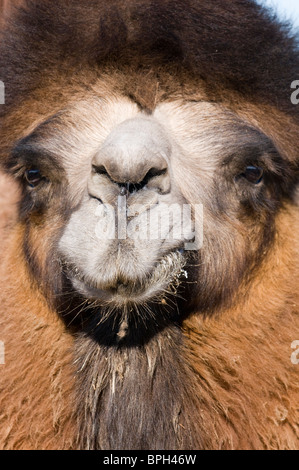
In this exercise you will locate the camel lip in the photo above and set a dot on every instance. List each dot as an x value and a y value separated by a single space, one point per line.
168 271
120 295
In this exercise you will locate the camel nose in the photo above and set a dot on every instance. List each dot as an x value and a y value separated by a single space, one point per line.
135 155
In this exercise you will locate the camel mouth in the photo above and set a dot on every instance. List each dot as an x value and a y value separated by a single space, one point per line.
162 281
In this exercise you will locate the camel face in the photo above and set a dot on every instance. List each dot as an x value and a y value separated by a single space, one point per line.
149 272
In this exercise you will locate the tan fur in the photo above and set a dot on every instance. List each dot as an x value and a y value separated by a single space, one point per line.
37 370
248 385
241 385
243 363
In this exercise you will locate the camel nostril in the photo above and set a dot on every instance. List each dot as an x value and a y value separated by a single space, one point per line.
158 179
133 157
100 170
153 173
130 188
153 179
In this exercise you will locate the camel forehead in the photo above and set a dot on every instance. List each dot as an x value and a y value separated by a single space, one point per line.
82 127
195 136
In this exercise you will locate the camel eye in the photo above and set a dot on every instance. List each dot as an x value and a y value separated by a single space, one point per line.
33 178
254 174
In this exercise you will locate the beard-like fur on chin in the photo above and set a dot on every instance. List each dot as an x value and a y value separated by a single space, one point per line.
149 373
133 314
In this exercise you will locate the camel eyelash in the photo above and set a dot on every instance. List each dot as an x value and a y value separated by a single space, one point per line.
34 177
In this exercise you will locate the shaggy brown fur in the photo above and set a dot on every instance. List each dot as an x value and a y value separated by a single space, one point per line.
215 372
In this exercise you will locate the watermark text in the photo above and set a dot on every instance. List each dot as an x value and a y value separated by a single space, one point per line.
160 222
295 355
